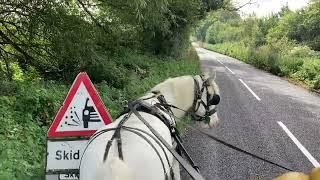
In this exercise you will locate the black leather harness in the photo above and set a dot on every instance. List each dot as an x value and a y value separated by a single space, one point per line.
142 106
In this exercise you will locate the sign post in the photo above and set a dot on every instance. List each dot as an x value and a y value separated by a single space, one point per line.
80 116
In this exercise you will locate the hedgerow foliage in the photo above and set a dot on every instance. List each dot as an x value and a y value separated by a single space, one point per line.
285 44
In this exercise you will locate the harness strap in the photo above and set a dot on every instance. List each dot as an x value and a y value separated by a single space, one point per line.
147 108
116 135
93 138
197 94
163 100
183 149
192 172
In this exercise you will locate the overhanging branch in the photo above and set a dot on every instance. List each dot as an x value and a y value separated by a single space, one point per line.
15 46
92 17
250 2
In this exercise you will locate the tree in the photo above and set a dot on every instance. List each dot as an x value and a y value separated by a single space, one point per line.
302 26
60 38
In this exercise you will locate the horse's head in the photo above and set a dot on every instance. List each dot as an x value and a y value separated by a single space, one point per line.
205 100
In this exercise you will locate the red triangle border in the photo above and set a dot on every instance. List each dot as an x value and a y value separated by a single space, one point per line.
82 77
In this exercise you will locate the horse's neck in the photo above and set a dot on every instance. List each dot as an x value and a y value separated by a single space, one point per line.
179 92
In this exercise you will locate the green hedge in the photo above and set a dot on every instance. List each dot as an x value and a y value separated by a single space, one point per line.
301 63
236 50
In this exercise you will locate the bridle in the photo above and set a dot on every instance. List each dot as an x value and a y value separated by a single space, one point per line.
198 101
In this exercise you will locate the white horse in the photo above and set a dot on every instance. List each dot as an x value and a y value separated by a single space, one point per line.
142 161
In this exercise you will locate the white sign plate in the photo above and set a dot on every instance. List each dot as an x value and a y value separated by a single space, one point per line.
64 154
62 177
68 176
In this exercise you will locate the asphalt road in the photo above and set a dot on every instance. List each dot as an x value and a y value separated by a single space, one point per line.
255 110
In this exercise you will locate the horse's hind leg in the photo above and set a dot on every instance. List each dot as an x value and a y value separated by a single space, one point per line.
176 169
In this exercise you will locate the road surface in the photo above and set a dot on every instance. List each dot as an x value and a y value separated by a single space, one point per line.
261 113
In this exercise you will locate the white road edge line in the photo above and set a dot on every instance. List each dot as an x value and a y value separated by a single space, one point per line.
300 146
226 67
220 62
230 70
254 94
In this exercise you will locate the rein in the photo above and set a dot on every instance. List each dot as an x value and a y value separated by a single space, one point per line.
236 148
225 143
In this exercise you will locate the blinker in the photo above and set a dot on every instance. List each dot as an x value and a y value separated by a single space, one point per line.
215 99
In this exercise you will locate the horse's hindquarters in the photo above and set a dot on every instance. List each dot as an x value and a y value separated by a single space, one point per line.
141 161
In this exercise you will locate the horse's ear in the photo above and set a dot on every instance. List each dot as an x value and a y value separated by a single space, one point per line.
212 77
206 75
209 76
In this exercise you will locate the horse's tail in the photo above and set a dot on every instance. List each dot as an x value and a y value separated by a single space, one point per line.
119 170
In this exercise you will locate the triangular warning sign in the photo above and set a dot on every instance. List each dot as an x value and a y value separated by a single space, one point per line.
82 113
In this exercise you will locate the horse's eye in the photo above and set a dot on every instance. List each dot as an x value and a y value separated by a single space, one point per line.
215 99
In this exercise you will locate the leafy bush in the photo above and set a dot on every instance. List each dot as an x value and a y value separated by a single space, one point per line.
264 58
116 76
7 88
236 50
290 65
302 52
38 100
283 45
21 145
310 73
